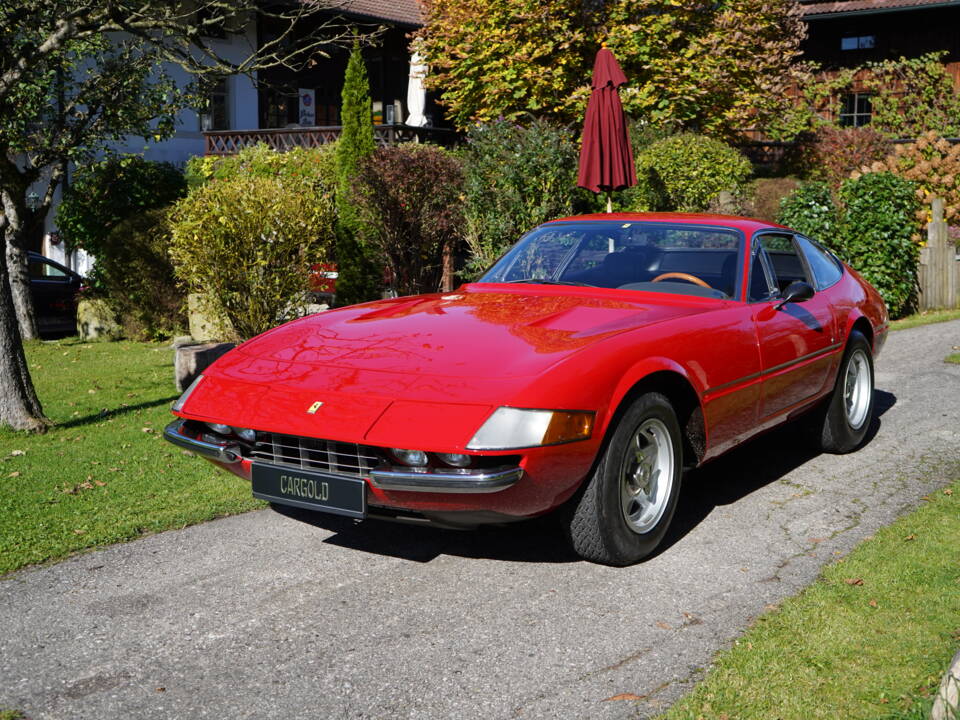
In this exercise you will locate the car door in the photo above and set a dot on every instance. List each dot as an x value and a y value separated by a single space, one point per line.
797 340
54 288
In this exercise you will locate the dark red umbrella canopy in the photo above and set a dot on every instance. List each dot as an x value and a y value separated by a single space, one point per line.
606 159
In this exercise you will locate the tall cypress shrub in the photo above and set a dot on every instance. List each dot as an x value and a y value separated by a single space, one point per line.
360 274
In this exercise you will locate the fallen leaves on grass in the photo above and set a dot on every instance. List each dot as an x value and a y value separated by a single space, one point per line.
948 491
663 626
15 453
872 603
15 473
853 581
911 536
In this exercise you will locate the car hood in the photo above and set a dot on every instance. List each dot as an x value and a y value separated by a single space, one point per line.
478 331
383 371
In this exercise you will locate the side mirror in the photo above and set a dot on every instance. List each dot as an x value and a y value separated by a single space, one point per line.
797 291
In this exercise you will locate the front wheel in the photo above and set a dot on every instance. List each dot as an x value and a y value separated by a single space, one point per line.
629 500
849 410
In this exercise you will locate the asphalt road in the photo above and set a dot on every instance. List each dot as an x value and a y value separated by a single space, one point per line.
267 616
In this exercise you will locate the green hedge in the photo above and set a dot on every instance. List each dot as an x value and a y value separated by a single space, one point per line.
810 210
516 177
870 227
687 173
878 222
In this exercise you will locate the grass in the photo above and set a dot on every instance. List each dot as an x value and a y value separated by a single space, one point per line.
102 474
953 358
927 317
870 639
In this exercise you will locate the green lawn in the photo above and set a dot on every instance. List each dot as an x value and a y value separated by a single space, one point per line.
927 317
102 474
870 639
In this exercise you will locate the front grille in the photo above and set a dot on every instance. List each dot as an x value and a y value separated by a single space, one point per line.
312 454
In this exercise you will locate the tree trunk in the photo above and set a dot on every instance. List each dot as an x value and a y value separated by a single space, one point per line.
19 407
17 241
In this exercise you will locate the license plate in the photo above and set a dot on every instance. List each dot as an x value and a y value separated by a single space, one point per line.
311 490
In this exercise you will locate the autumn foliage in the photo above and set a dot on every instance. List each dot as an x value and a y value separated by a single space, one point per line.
717 68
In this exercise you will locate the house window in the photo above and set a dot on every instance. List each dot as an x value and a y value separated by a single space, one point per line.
855 109
217 114
858 42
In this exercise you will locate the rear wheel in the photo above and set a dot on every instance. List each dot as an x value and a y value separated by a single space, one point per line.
629 501
847 415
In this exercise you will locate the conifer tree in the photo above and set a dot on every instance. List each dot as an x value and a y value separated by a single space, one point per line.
359 271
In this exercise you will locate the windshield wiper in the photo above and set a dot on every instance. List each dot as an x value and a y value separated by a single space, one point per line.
534 281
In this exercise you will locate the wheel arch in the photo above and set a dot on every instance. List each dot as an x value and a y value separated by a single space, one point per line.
683 396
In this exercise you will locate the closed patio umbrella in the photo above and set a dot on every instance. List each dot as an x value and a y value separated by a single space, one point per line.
606 159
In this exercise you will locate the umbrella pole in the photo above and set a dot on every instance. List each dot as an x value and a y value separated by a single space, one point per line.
609 203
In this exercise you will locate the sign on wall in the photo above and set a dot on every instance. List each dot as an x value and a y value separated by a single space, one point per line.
308 110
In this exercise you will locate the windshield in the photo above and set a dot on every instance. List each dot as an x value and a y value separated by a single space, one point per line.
658 257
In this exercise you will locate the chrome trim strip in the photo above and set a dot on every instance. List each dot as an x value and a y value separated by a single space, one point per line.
220 453
445 482
776 368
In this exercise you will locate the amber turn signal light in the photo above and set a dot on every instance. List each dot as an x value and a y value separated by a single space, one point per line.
568 426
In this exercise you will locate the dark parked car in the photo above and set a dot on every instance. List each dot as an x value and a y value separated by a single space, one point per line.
55 290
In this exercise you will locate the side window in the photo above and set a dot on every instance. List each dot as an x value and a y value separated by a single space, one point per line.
40 269
826 269
786 264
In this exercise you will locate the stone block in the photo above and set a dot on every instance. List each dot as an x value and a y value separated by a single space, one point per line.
191 360
203 327
947 704
96 321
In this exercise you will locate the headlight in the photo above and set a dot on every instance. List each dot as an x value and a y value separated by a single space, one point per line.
413 458
455 459
510 428
182 400
220 428
246 434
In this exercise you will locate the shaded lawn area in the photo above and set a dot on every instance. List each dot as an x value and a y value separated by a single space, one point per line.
870 639
102 474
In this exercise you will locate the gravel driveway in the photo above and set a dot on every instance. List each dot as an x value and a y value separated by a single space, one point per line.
269 616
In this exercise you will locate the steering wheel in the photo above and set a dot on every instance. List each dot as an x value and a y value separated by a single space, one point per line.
681 276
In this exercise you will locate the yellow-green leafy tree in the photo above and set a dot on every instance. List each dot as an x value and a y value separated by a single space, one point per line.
715 68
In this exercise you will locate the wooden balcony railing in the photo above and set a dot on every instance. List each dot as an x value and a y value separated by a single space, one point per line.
230 142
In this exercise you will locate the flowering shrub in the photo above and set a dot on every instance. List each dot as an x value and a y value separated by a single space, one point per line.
932 163
410 199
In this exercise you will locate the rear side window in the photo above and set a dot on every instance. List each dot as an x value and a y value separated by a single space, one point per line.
825 268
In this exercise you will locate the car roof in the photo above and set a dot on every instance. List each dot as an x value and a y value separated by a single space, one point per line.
746 224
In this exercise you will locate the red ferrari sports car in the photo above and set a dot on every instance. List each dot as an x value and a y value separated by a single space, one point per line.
597 359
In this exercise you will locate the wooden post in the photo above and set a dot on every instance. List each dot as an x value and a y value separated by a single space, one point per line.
938 274
446 281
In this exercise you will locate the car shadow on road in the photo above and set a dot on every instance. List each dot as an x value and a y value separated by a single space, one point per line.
722 482
748 468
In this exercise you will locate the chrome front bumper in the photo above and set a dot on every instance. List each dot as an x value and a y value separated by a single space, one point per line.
221 453
476 482
386 478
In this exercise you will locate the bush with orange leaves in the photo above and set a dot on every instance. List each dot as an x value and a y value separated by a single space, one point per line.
933 164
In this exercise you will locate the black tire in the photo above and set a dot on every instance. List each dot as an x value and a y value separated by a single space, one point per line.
603 526
847 415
